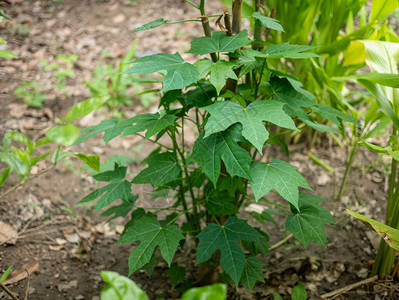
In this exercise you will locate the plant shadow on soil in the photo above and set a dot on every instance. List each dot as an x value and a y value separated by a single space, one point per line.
65 248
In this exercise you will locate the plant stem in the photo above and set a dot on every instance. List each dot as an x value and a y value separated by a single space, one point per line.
154 142
278 244
205 26
237 13
8 291
260 79
189 2
354 149
258 28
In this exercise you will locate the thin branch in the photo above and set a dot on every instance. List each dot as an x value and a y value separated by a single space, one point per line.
283 241
27 286
8 291
340 291
189 2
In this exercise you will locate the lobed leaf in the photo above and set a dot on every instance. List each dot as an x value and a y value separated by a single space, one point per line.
225 238
278 175
179 73
120 287
252 272
219 42
162 168
151 235
307 223
225 114
222 146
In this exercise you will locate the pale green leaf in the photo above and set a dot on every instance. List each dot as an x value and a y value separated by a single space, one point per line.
151 234
217 72
287 50
307 223
225 238
278 175
386 79
225 114
120 288
83 108
6 274
389 234
252 272
179 73
299 292
380 9
7 54
394 154
151 25
216 291
64 134
162 168
222 146
373 147
268 22
93 161
4 175
381 57
219 42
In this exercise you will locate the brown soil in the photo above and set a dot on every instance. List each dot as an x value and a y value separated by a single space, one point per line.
51 227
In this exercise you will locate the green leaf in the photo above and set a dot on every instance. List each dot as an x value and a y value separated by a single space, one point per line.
383 102
162 168
225 238
299 292
225 114
307 223
394 154
6 273
373 147
151 123
122 209
93 161
120 288
105 125
151 234
117 188
278 175
217 72
382 9
176 274
4 176
261 245
20 166
389 234
200 96
222 146
151 265
221 204
179 73
287 50
83 108
219 42
64 135
151 25
386 79
216 291
268 22
7 54
252 272
276 296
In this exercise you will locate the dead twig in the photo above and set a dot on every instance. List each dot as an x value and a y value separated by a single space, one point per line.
340 291
6 289
27 286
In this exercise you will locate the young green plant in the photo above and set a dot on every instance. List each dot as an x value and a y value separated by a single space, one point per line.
236 104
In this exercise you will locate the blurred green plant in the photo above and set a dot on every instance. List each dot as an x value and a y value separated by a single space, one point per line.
119 287
63 69
30 92
383 84
109 85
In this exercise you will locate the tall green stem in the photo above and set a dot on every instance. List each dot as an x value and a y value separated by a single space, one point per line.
206 27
